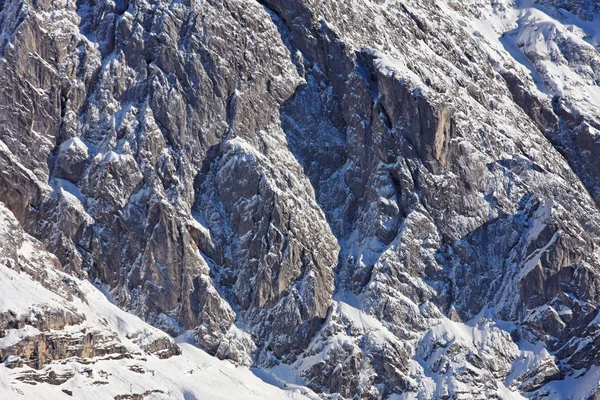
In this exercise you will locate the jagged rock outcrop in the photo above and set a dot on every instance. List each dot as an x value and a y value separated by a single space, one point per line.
135 152
42 324
61 337
376 198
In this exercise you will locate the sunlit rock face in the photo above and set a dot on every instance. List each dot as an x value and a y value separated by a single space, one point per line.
368 199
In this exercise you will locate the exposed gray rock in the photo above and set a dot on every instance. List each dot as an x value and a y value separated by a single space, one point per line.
382 197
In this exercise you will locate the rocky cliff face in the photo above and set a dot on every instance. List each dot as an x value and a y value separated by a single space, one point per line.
370 199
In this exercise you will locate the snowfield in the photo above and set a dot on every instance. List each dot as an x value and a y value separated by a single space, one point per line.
191 375
194 375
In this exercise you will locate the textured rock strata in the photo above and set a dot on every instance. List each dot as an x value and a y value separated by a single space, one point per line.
380 197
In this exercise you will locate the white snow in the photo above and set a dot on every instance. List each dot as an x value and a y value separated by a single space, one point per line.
74 144
192 375
20 294
575 386
527 36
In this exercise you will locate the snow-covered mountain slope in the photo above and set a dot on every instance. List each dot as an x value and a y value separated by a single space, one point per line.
463 219
556 45
62 338
362 199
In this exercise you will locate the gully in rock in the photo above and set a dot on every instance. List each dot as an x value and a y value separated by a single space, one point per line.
357 199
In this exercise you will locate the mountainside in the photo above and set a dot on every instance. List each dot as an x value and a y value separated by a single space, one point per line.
359 199
61 337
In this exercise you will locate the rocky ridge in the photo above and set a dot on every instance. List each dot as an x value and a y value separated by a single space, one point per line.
368 198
